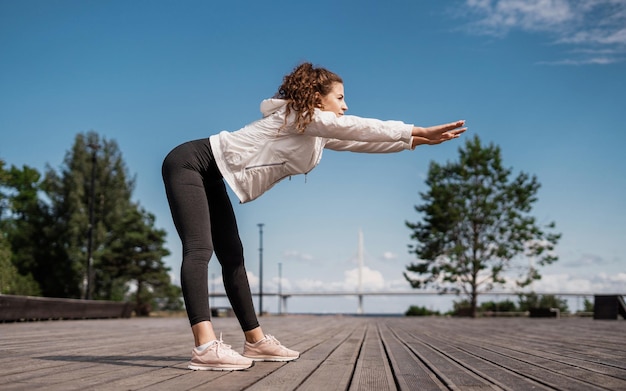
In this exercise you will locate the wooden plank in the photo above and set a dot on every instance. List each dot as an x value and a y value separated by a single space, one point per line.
91 349
289 334
410 373
335 372
215 380
372 371
574 357
544 336
547 371
338 352
289 377
452 373
517 359
493 372
178 376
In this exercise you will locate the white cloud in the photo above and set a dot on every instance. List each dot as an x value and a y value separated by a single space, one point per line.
296 255
500 16
388 255
585 260
283 282
174 278
599 283
371 280
399 284
582 24
583 61
253 280
596 36
374 281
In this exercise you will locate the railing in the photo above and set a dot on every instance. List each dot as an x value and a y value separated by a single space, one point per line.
24 308
599 298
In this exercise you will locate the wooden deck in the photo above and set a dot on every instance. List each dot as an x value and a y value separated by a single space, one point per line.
337 353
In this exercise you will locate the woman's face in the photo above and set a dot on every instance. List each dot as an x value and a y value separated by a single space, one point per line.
334 101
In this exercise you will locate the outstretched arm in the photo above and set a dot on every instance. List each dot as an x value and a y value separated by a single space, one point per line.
437 134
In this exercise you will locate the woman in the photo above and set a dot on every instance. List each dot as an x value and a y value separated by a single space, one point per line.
304 117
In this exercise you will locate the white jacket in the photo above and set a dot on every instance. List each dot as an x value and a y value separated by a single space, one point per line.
259 155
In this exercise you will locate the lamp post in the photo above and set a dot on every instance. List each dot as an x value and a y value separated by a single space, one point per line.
89 291
212 294
280 288
260 269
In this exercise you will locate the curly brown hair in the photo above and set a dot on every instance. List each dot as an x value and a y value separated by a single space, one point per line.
300 87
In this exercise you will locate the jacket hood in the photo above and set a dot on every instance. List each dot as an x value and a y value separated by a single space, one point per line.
269 106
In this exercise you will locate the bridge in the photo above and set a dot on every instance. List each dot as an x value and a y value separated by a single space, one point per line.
15 308
619 297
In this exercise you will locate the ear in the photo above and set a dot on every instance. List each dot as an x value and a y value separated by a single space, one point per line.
318 99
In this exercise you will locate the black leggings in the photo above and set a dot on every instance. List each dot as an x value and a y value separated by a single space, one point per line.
205 221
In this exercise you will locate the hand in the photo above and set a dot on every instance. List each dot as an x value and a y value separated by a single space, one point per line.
437 134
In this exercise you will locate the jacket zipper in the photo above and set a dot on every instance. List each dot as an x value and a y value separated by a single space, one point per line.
265 165
272 165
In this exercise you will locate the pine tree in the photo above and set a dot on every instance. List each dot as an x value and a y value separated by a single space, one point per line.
476 228
135 260
96 162
22 218
127 249
52 235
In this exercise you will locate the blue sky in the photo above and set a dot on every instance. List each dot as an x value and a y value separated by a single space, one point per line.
544 80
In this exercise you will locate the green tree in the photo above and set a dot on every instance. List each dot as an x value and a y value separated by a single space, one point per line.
532 300
11 282
46 227
7 270
500 306
476 228
21 217
135 259
127 249
415 310
70 194
4 199
587 305
460 308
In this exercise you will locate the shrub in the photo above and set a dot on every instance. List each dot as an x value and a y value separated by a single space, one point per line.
420 311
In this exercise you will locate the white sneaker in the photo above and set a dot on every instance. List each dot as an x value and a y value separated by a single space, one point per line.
269 349
218 357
